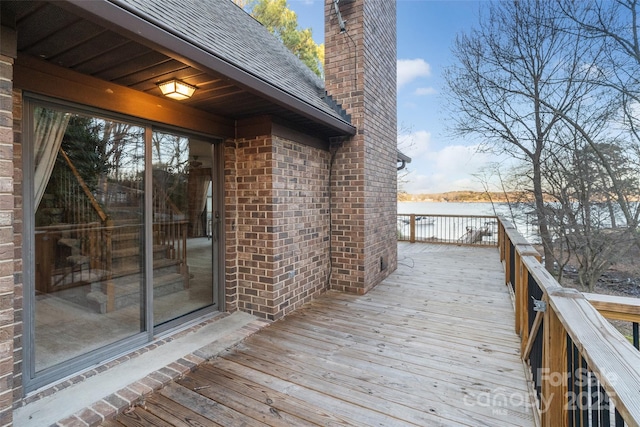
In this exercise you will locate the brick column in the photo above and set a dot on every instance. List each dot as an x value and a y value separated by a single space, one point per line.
7 56
230 227
360 74
280 223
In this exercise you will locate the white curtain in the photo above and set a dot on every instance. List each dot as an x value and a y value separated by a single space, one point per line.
50 127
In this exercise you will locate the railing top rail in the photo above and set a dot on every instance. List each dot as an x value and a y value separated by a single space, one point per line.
527 250
94 203
133 223
515 237
543 278
493 217
616 307
61 227
631 302
505 222
608 354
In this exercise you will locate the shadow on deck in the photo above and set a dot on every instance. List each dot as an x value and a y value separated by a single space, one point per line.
433 345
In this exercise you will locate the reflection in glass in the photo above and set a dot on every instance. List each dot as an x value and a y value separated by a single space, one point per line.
88 191
183 244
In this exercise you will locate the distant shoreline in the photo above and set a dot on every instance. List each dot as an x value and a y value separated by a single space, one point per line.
464 197
451 201
476 197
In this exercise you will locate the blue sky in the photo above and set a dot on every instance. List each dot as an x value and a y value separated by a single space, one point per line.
426 31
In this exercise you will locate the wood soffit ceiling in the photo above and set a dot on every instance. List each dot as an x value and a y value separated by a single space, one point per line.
54 34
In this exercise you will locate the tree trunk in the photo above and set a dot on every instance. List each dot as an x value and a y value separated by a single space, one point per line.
543 228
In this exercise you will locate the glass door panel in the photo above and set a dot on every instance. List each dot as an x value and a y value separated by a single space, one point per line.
89 247
183 279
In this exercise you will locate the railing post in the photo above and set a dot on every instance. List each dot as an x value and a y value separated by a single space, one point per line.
554 371
412 228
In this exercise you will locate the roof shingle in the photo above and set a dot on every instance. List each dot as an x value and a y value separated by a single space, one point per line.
226 31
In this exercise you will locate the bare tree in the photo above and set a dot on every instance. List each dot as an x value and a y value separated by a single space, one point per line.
518 75
583 215
613 26
490 174
405 143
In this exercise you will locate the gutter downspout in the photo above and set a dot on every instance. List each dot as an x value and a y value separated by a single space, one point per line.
404 159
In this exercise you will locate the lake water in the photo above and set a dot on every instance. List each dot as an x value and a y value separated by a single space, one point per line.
445 208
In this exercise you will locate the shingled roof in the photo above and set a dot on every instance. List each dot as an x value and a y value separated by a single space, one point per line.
227 32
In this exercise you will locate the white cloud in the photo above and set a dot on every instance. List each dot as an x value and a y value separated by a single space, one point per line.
436 169
411 69
460 158
410 105
422 91
415 144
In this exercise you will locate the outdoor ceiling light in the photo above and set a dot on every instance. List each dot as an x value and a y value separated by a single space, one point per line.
176 89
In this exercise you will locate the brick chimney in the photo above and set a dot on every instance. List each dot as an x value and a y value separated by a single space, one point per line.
360 74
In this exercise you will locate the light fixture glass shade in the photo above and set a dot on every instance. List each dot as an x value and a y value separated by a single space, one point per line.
176 89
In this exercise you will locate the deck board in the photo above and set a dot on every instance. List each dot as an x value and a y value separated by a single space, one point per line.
433 345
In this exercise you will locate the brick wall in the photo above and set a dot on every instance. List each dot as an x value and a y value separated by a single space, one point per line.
17 242
344 78
7 249
360 74
277 226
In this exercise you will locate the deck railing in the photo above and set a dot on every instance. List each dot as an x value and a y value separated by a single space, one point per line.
448 229
582 370
621 309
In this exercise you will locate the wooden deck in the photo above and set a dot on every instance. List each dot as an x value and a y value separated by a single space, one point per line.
433 345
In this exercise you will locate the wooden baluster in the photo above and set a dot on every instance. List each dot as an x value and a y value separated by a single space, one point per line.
412 228
554 364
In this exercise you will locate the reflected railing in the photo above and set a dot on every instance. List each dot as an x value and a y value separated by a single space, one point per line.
78 255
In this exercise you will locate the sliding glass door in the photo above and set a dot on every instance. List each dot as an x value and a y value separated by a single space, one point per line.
118 237
89 250
182 179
